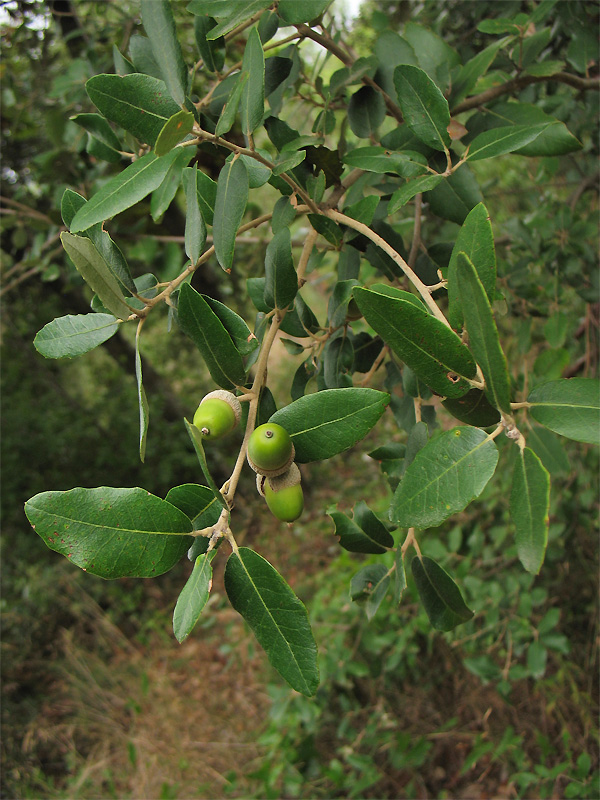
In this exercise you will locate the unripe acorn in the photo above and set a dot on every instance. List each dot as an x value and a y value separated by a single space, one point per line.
284 495
218 413
270 450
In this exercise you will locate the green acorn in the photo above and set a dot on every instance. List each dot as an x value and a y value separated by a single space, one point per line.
270 450
284 494
218 414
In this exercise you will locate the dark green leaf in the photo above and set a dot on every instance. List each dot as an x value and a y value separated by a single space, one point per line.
424 107
439 594
476 240
112 533
195 229
66 337
549 449
570 407
401 196
431 349
230 109
175 129
337 307
157 18
198 320
253 96
230 205
164 195
244 340
455 196
327 423
294 12
276 616
474 69
194 596
198 503
237 14
366 112
354 539
529 508
138 103
207 196
211 51
473 408
483 334
281 285
399 576
99 128
96 273
499 141
369 587
123 190
338 361
328 229
379 160
446 474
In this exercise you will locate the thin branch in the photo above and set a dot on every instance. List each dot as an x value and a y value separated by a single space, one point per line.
518 83
395 256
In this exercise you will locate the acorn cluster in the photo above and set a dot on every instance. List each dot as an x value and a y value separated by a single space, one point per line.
270 453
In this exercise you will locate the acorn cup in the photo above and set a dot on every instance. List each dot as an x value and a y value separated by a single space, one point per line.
270 450
219 413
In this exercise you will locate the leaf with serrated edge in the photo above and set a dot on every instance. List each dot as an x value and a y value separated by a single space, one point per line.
110 532
66 337
324 424
483 334
96 273
193 597
445 475
276 616
529 507
439 594
570 407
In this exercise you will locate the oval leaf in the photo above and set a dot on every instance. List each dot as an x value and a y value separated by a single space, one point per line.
369 587
570 407
365 534
112 533
175 129
230 205
327 423
195 229
157 18
499 141
124 190
424 107
138 103
281 284
445 475
476 240
66 337
529 508
366 112
96 273
197 502
197 319
439 594
194 596
253 94
473 408
276 616
483 334
431 349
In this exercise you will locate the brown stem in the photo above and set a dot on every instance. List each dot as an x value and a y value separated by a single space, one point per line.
518 83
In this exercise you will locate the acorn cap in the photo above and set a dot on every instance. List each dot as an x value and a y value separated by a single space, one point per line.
291 477
260 485
273 473
229 398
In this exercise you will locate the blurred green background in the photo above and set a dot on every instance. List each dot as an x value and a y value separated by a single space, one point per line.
99 700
